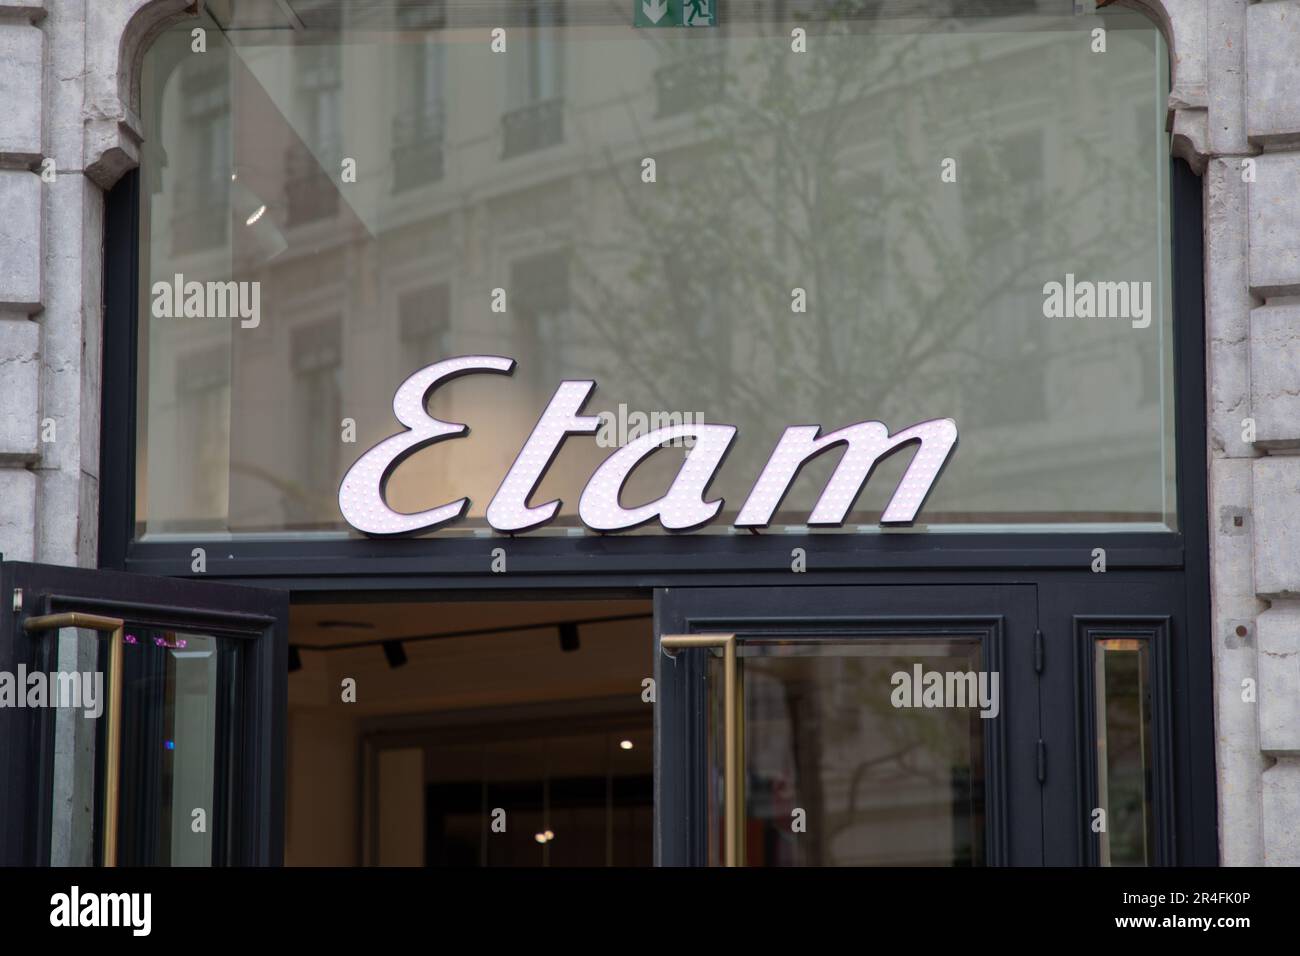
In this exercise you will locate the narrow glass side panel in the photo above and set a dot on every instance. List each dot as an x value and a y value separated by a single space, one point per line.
1122 685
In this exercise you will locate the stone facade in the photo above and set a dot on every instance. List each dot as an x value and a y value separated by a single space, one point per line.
70 85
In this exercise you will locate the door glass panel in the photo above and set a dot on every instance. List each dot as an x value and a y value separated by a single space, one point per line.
841 766
180 692
177 764
1124 742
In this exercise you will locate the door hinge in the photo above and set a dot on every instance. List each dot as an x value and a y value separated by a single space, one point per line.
1038 651
1042 761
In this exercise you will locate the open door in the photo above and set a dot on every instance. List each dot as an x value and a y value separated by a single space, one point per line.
874 725
142 719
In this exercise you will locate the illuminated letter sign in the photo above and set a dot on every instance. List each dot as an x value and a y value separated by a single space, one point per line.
361 495
509 510
867 444
683 507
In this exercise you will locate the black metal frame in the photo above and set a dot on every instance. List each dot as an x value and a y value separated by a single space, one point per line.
1147 573
257 615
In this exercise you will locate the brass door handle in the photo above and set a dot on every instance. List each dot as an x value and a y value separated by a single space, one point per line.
113 757
733 798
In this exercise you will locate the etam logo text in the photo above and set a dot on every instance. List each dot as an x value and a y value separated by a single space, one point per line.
75 908
683 507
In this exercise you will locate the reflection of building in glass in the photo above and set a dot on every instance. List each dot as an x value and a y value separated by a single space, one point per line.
539 286
534 115
923 298
424 324
889 787
310 194
201 205
418 125
317 393
203 404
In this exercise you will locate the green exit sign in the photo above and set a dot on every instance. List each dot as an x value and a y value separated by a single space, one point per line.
675 13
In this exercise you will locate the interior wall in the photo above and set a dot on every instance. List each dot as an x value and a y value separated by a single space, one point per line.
322 790
401 806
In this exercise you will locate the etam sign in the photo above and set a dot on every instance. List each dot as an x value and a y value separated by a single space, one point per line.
684 507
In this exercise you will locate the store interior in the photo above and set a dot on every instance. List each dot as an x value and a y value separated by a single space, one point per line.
469 733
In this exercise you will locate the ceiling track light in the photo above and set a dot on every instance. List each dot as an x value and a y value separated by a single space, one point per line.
473 632
395 653
569 640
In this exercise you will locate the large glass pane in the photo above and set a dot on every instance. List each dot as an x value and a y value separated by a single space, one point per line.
837 773
870 229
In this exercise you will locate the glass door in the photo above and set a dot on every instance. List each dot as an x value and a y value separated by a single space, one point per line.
848 726
143 719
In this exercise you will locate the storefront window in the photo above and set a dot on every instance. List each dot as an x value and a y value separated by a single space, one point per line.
863 224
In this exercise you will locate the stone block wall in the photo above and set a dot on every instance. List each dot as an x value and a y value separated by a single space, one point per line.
1273 238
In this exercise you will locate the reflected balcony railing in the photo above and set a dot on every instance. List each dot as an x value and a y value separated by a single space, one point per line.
532 127
417 149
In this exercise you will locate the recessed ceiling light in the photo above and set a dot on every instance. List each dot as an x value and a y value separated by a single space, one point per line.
625 744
